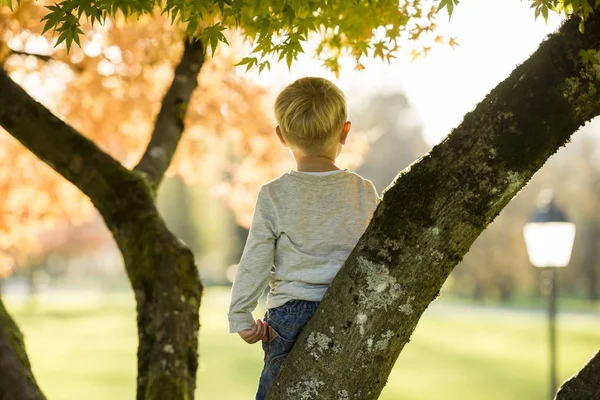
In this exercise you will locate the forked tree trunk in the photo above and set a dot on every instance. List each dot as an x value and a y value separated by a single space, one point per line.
431 215
161 269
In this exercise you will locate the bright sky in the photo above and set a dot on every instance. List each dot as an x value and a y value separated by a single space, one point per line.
494 37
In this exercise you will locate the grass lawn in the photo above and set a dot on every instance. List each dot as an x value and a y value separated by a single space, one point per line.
83 347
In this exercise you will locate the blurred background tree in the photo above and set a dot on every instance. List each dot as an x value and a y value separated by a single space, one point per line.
395 135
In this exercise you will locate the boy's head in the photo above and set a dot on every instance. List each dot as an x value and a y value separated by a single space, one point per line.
311 113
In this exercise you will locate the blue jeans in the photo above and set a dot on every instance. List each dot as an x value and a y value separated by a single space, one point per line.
287 321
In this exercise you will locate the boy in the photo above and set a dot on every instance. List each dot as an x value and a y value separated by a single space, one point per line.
305 224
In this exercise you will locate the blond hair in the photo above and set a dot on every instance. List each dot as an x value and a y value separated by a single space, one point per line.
311 113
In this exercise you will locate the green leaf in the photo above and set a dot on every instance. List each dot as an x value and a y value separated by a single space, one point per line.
65 37
289 14
192 26
212 35
378 49
54 18
545 13
262 66
222 4
76 37
449 5
249 62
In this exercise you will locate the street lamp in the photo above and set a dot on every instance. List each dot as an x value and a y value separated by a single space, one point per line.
549 237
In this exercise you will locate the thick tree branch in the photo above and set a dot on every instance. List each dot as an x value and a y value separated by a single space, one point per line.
16 379
170 120
585 385
57 144
431 215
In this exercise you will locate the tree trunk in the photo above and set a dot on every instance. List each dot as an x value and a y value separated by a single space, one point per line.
431 215
161 269
167 291
16 378
585 385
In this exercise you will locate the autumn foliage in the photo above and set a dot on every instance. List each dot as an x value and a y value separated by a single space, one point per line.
111 89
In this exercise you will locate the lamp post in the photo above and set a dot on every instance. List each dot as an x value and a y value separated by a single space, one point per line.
549 237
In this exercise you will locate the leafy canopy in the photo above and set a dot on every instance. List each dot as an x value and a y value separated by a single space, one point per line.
360 28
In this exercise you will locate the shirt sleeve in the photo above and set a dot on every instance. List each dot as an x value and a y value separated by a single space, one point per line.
255 266
373 192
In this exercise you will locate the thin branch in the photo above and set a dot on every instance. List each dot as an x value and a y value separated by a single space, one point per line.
42 57
6 52
58 144
585 385
169 122
78 67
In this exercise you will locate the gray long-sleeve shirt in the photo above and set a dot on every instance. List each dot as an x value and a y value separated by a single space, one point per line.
304 228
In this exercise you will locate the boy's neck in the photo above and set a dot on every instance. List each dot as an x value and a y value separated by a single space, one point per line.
311 163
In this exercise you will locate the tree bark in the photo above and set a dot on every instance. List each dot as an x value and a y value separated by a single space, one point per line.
161 269
431 215
585 385
16 378
169 122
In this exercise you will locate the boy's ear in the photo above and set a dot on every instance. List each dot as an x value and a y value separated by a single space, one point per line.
345 132
281 138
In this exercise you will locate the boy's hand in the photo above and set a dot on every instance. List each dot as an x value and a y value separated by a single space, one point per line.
256 333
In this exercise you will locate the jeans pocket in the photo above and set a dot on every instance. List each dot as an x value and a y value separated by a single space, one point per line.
278 349
286 326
